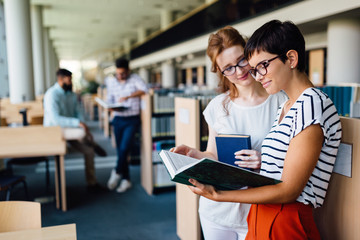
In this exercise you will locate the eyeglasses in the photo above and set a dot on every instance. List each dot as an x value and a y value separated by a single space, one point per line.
261 68
232 69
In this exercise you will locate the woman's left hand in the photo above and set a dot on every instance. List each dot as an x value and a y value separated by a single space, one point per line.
204 190
249 159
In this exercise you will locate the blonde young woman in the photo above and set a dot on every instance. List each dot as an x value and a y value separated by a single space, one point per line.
243 107
301 146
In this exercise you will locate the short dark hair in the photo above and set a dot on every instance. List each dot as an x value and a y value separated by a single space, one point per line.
122 63
278 38
62 72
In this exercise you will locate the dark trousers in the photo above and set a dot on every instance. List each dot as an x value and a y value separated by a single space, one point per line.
124 130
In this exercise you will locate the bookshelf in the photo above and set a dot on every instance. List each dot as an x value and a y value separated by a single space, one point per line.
338 217
346 98
190 129
157 131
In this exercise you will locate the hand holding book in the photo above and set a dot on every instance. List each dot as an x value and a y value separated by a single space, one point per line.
222 176
248 158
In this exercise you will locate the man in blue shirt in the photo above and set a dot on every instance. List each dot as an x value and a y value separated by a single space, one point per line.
61 108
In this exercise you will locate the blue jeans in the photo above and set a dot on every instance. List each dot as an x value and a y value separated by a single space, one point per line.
124 130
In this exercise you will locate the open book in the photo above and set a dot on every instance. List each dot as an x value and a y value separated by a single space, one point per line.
221 175
114 106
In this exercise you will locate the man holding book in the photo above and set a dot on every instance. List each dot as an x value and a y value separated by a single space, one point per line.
124 88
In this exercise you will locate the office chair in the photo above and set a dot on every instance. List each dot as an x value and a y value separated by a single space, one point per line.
8 181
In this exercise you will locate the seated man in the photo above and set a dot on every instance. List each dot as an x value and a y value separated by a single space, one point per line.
61 108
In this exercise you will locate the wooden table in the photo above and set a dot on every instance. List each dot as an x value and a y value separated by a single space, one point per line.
37 141
61 232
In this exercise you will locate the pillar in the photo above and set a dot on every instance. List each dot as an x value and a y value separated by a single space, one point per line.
53 67
165 18
144 74
343 51
127 47
200 76
49 75
189 76
38 49
4 79
167 75
19 50
212 79
141 34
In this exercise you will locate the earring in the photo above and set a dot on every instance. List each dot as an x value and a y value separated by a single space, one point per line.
292 67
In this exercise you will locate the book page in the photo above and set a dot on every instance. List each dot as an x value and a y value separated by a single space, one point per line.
178 161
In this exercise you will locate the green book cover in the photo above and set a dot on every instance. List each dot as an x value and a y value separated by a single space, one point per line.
221 175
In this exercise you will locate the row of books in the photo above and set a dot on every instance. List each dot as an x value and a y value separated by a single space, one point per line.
163 100
161 176
346 98
163 126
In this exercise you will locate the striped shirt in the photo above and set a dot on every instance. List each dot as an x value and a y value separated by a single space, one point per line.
312 107
116 90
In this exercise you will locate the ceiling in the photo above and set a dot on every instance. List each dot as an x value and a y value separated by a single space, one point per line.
95 29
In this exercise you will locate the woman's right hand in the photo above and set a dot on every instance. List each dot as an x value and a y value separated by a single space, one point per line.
186 150
248 159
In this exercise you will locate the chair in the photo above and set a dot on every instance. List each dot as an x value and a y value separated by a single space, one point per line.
19 215
8 181
30 160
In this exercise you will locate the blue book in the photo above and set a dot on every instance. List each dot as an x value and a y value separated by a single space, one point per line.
228 144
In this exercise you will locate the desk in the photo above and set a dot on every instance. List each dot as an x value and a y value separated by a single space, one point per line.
36 141
61 232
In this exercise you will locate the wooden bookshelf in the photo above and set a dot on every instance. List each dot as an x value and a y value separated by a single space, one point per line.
187 116
147 140
338 217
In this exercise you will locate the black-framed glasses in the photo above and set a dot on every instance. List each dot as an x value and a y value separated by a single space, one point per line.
261 67
232 69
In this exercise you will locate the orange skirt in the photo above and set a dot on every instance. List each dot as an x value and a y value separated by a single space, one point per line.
281 221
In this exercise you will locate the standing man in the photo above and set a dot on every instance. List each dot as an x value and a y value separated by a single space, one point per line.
126 88
61 108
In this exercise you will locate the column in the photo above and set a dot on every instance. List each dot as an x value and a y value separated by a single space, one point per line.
19 50
167 74
49 75
141 34
4 79
54 64
144 74
38 50
189 76
200 76
127 47
343 51
165 18
212 79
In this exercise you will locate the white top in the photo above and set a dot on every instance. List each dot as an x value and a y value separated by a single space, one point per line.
116 90
312 107
255 121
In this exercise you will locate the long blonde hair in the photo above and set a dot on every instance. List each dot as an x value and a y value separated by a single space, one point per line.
225 38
